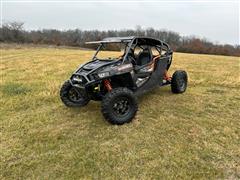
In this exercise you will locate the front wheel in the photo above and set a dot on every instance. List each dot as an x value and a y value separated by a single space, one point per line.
179 81
73 96
119 106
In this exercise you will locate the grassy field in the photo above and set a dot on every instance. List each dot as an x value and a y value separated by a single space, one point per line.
192 135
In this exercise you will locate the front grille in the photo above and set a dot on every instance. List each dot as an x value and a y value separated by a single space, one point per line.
93 76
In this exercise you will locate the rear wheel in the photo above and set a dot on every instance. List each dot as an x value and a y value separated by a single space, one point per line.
119 106
179 81
73 96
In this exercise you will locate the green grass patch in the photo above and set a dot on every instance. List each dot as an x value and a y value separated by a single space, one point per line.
12 89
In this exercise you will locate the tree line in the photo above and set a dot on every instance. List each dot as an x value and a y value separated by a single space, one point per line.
14 32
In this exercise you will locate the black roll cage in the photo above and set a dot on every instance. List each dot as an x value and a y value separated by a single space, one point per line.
130 41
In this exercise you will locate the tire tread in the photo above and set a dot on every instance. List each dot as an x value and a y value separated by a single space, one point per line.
63 95
107 100
177 75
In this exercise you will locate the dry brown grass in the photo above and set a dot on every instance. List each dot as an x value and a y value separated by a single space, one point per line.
192 135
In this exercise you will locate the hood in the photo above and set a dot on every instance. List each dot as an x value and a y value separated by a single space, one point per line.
97 63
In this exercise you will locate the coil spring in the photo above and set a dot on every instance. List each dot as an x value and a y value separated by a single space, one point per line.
107 84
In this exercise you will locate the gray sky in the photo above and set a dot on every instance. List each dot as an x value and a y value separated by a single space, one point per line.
217 21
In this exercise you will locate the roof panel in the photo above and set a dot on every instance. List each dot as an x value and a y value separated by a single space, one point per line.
112 40
141 40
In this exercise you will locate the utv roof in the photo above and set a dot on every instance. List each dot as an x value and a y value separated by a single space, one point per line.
141 40
112 40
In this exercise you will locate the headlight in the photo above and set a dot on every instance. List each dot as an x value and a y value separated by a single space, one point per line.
78 79
103 74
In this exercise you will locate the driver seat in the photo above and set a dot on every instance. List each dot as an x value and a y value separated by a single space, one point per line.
144 57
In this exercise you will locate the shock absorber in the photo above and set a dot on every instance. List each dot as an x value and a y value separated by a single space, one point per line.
107 84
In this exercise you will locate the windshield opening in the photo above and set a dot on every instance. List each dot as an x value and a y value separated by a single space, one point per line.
111 51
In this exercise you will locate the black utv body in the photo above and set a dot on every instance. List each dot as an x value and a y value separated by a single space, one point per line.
117 82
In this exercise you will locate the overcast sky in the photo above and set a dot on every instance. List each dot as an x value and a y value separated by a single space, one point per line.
216 21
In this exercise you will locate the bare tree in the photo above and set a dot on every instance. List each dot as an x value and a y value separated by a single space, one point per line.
14 32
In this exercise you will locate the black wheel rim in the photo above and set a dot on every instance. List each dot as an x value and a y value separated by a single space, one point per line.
74 95
121 106
182 83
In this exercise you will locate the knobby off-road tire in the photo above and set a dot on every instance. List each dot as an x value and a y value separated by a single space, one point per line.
72 96
119 106
179 82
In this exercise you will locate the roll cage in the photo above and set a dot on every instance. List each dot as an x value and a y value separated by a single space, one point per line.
131 42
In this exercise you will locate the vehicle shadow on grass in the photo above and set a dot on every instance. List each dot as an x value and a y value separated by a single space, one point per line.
91 107
90 113
164 91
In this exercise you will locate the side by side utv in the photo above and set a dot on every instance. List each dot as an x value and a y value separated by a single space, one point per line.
117 81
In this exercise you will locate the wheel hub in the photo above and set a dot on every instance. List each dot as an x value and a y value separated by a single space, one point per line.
74 95
182 83
121 107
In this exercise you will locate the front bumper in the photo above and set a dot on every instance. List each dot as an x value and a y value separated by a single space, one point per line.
82 81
